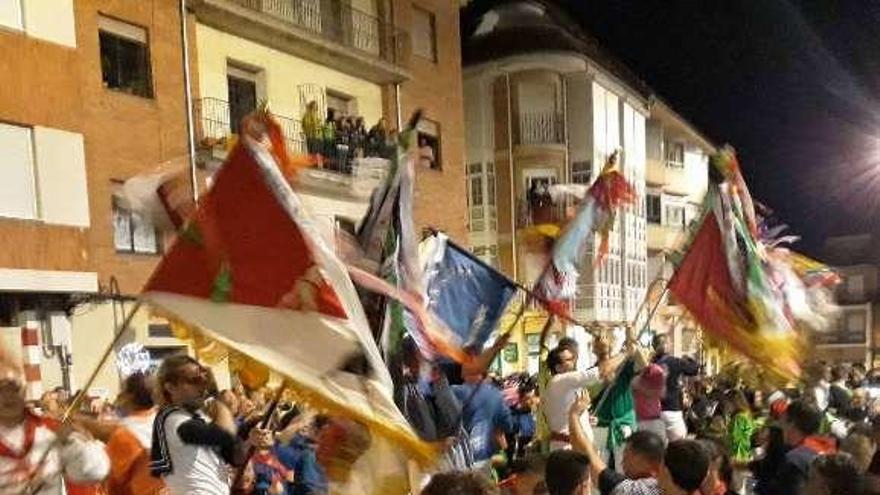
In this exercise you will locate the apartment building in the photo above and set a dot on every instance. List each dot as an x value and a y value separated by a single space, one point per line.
676 183
373 59
854 334
92 94
544 105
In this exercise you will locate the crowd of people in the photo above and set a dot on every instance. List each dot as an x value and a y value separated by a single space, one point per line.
636 423
652 423
337 140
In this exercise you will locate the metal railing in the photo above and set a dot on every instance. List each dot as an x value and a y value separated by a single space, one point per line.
337 22
213 124
541 128
213 127
537 214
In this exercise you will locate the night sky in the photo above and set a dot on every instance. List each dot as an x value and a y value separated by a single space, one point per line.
793 86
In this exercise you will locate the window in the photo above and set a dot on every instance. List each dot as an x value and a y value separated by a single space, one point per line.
855 322
132 233
341 104
855 285
345 225
242 91
475 197
581 172
490 197
424 38
675 215
481 197
125 57
674 154
429 141
17 181
652 207
159 330
489 254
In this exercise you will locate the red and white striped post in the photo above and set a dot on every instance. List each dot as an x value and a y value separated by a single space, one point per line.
31 355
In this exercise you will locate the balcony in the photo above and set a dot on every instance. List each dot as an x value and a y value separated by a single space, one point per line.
537 128
531 213
327 32
214 127
340 173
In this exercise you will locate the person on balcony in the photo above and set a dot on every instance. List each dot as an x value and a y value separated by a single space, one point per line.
329 136
377 138
359 138
311 125
343 145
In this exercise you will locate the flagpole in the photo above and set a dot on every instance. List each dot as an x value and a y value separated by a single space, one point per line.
78 398
264 422
120 331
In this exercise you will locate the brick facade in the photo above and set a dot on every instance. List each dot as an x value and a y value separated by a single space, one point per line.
47 84
436 88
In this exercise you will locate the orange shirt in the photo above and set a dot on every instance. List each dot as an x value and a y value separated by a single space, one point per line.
129 452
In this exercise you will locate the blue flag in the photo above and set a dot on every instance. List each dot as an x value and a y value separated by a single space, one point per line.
466 293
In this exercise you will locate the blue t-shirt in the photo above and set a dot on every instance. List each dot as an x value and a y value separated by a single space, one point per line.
299 455
483 415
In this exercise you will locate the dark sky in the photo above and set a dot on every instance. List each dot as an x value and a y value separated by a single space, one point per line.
793 86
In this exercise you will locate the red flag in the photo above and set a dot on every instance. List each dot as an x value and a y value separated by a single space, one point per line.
703 280
250 271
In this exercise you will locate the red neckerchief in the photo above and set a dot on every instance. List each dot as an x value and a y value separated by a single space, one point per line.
31 422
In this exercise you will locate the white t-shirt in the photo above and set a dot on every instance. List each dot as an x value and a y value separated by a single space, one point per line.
560 395
196 469
820 393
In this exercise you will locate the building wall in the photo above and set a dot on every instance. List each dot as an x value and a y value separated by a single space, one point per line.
436 88
125 134
86 135
279 75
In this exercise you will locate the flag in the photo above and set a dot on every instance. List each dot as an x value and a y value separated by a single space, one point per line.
165 196
250 271
468 295
742 287
595 214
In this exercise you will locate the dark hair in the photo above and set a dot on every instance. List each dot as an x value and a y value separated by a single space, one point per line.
660 337
531 463
458 483
529 384
648 445
688 463
805 416
568 343
137 387
839 472
554 358
565 470
839 372
169 372
717 451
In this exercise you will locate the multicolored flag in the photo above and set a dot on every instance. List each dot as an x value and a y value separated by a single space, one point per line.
743 288
250 271
595 215
464 292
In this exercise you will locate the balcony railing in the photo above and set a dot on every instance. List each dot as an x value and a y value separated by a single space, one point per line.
541 128
213 124
538 213
336 22
213 127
